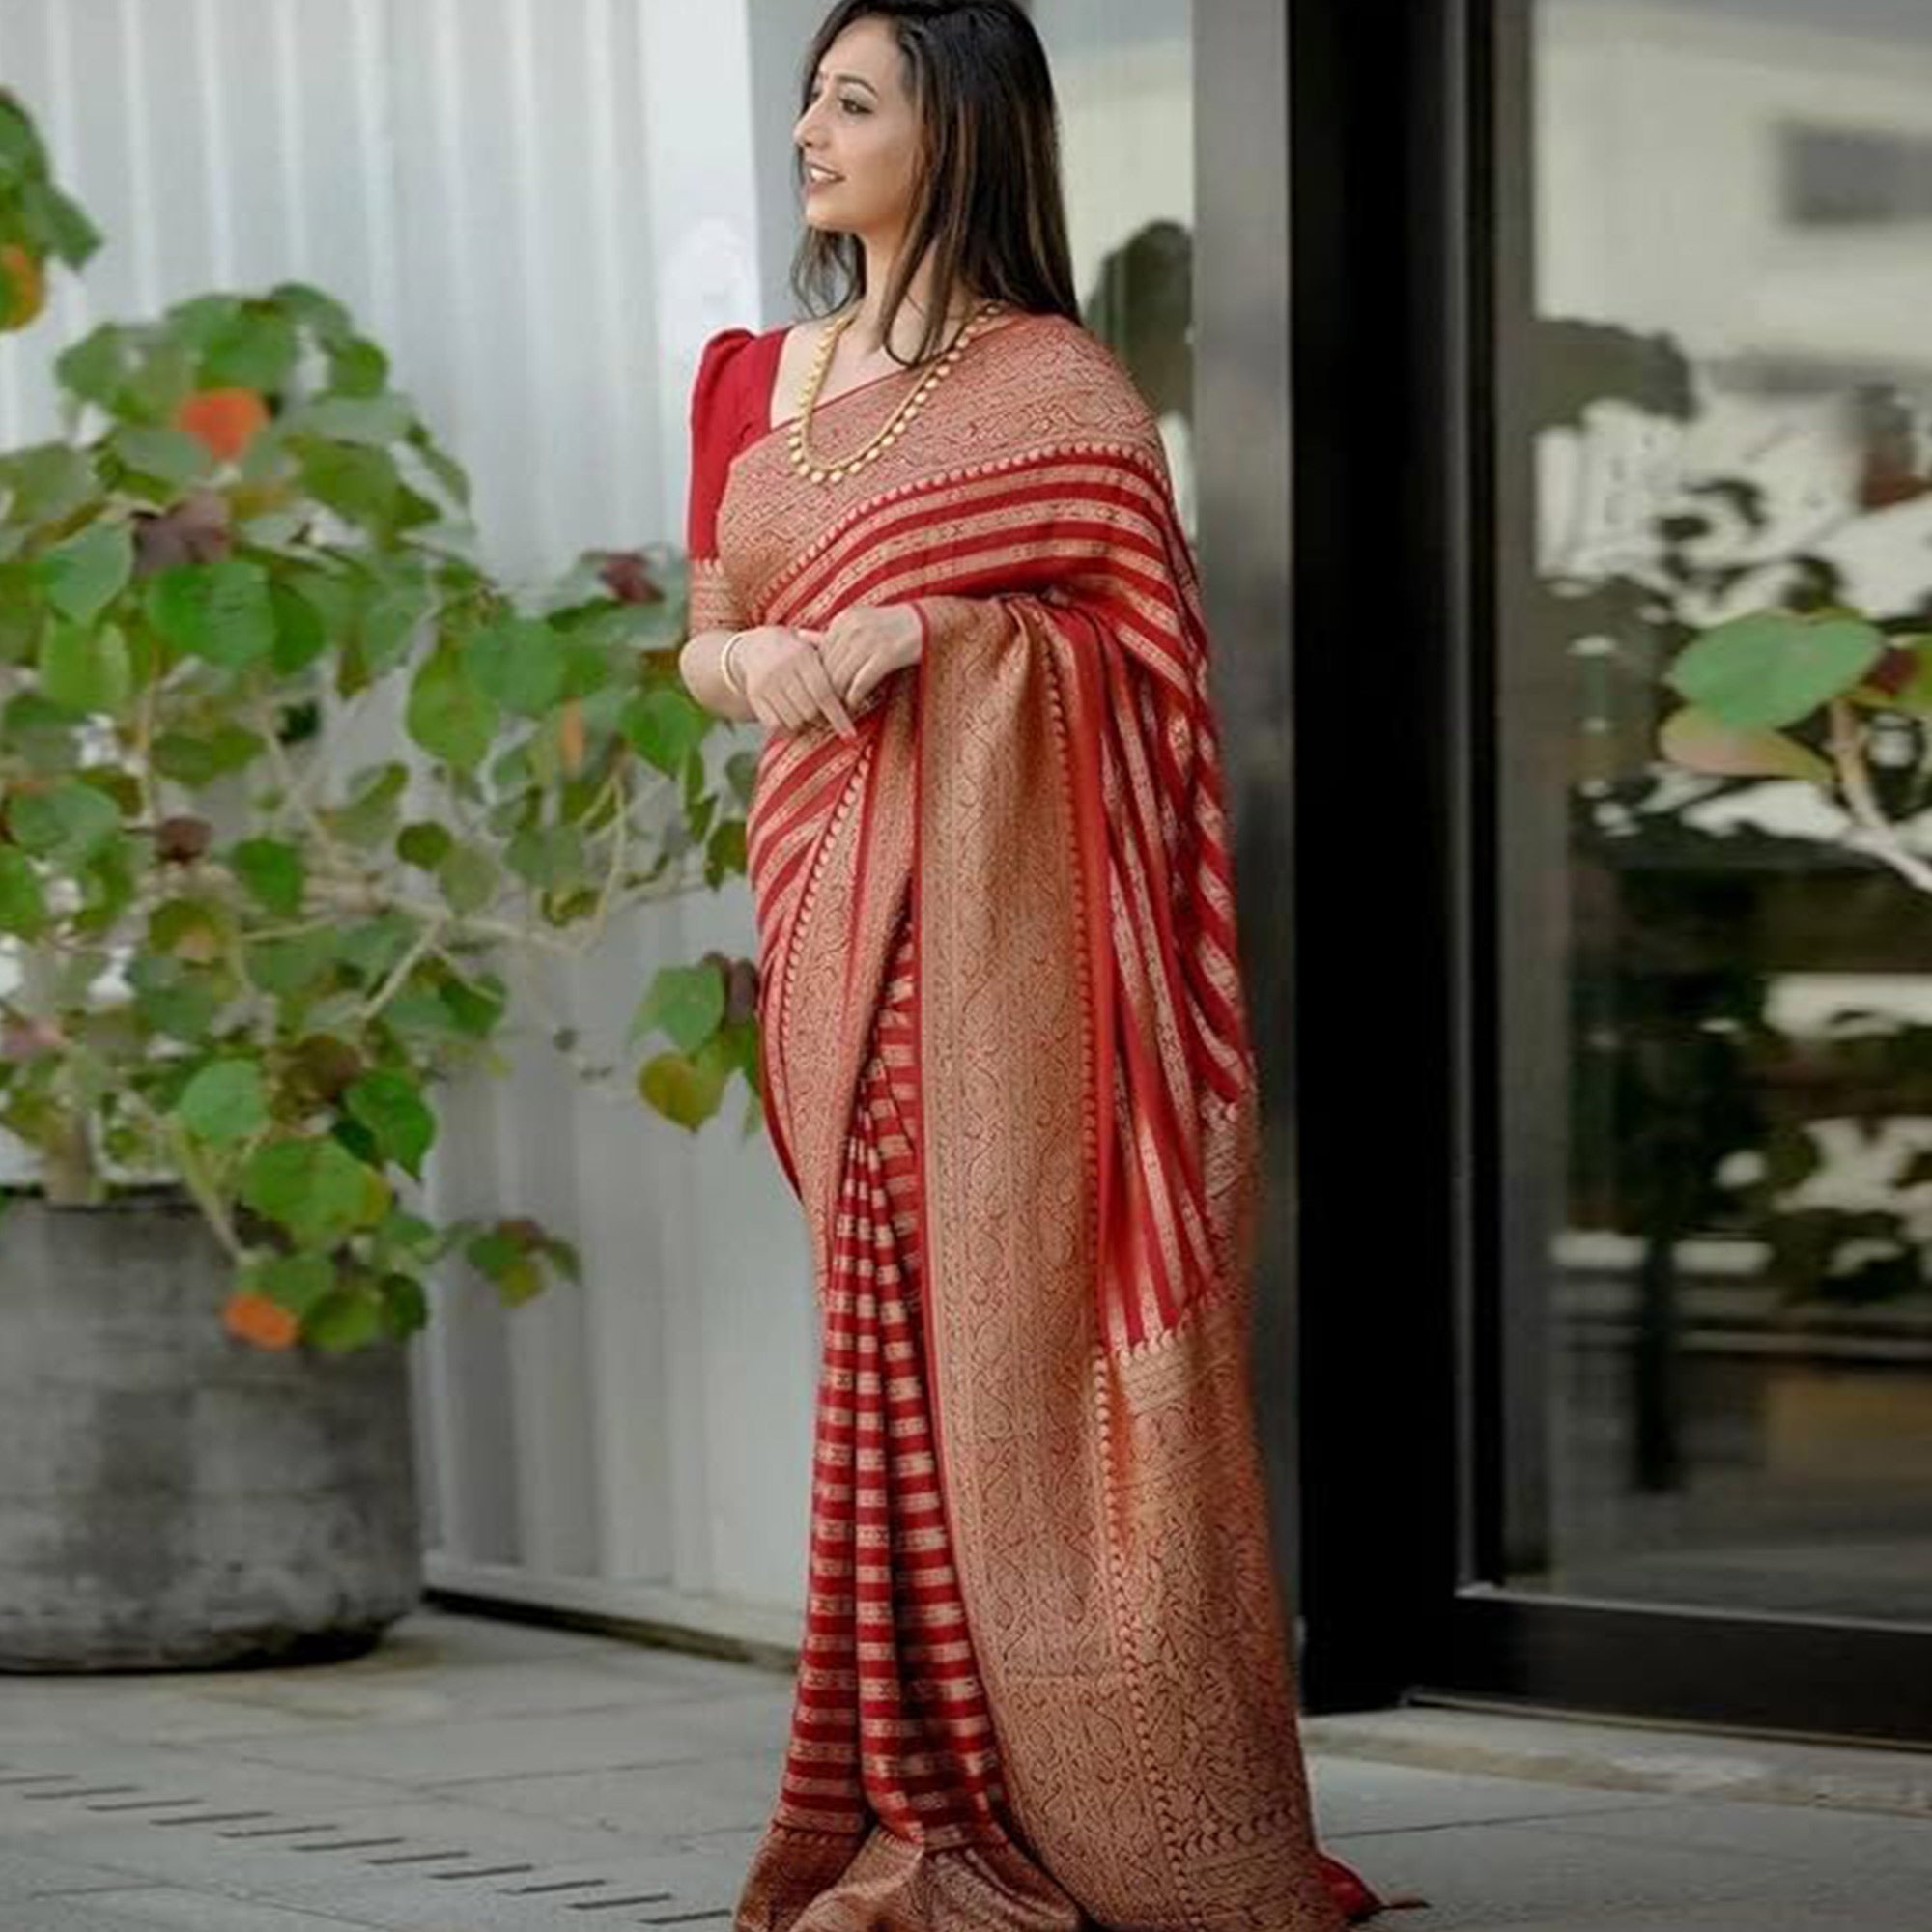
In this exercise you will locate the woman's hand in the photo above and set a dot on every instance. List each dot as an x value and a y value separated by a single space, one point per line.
786 681
862 646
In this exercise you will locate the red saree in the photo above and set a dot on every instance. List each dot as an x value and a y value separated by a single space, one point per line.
1044 1683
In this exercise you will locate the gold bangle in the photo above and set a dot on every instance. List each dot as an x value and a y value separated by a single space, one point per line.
725 664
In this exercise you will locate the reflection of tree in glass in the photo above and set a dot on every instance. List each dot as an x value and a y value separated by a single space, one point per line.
1142 307
1681 926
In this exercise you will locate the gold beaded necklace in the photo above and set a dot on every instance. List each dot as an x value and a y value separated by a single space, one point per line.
820 469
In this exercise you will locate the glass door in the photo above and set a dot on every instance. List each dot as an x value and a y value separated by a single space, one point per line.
1628 1404
1718 1041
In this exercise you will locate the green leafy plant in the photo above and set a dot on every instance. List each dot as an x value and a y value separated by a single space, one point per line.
38 220
1831 695
287 778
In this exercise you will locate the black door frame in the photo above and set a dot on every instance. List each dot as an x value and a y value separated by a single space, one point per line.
1366 768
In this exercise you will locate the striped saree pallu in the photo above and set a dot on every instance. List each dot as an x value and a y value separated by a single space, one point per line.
1044 1681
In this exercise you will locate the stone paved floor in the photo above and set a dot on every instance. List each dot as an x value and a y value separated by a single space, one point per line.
482 1776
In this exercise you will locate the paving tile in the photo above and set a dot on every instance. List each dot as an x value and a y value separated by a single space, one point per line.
402 1789
659 1802
1846 1842
302 1858
31 1874
532 1744
1640 1756
1355 1797
441 1867
1871 1903
167 1910
107 1789
621 1893
1538 1877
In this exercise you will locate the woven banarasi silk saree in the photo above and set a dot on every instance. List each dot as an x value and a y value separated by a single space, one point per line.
1045 1682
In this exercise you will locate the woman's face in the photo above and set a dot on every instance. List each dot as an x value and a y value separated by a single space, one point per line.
859 135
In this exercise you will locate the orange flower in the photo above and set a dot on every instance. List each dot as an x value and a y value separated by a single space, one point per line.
254 1318
26 286
225 420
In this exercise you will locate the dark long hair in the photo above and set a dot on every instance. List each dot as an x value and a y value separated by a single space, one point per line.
988 207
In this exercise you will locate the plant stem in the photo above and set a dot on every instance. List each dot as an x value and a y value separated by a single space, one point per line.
1882 836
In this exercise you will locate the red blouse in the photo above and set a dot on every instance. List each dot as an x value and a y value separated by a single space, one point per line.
730 409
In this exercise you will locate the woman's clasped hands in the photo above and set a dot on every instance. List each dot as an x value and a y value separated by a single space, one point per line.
798 677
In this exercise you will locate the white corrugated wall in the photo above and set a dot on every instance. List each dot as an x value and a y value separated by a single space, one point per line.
540 211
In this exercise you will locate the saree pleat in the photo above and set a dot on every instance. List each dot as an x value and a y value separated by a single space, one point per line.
1045 1683
891 1812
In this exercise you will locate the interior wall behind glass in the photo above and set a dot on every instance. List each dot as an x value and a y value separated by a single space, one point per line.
1124 73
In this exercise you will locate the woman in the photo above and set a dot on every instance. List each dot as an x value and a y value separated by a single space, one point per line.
1043 1683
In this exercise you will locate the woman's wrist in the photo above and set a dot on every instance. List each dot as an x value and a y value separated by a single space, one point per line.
734 677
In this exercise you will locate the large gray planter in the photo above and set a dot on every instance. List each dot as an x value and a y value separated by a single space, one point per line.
170 1496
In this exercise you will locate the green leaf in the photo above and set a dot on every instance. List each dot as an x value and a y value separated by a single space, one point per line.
444 467
389 623
108 883
405 1305
476 1008
374 946
1701 742
288 967
86 670
301 635
66 822
315 1189
686 1002
160 379
173 999
725 857
508 1262
164 453
294 1281
225 1102
391 1107
275 873
683 1090
355 482
93 367
23 904
425 844
220 610
368 819
519 662
1772 668
359 368
665 727
350 1319
315 310
448 715
468 879
200 761
49 481
548 856
256 349
192 929
84 575
376 420
40 734
74 237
